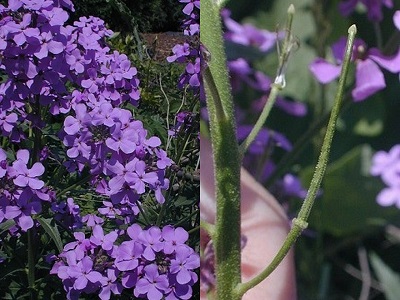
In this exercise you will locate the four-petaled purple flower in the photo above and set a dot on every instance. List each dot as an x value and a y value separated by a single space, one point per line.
152 285
369 77
83 273
23 176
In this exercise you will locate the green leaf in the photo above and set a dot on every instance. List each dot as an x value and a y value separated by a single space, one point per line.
389 279
348 202
6 225
52 231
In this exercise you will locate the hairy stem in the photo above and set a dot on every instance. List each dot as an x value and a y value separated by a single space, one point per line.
300 223
225 152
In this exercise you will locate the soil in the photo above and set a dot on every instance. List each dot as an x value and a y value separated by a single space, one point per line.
159 45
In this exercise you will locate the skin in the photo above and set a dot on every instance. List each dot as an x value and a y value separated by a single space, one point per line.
265 225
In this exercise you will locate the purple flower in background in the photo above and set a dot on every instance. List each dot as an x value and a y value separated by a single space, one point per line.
247 35
387 166
396 19
369 76
189 52
374 8
265 138
286 188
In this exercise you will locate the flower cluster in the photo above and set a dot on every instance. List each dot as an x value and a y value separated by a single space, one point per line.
155 262
387 166
189 52
68 73
43 59
115 146
21 190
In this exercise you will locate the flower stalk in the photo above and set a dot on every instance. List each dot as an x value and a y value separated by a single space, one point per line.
300 223
278 84
225 153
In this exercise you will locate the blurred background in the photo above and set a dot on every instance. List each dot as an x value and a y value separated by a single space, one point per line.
351 248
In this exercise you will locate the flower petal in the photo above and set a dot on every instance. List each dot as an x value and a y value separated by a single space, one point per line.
369 80
396 19
392 63
324 71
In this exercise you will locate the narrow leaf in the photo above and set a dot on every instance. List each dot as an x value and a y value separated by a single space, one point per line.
52 231
389 279
6 225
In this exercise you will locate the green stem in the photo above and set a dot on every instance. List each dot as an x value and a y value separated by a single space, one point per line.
275 87
208 227
300 223
225 152
71 187
290 157
142 212
31 264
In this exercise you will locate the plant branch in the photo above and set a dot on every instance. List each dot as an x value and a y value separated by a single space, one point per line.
300 223
225 153
278 85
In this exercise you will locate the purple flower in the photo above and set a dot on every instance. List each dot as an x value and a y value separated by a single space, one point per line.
124 140
265 138
127 255
396 19
83 273
152 285
22 212
183 264
247 34
123 174
387 165
141 177
47 44
24 176
188 9
92 220
105 241
173 237
289 186
374 8
152 242
56 16
111 285
369 77
389 196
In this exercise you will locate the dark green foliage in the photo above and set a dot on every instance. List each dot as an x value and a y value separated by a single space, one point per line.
150 16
